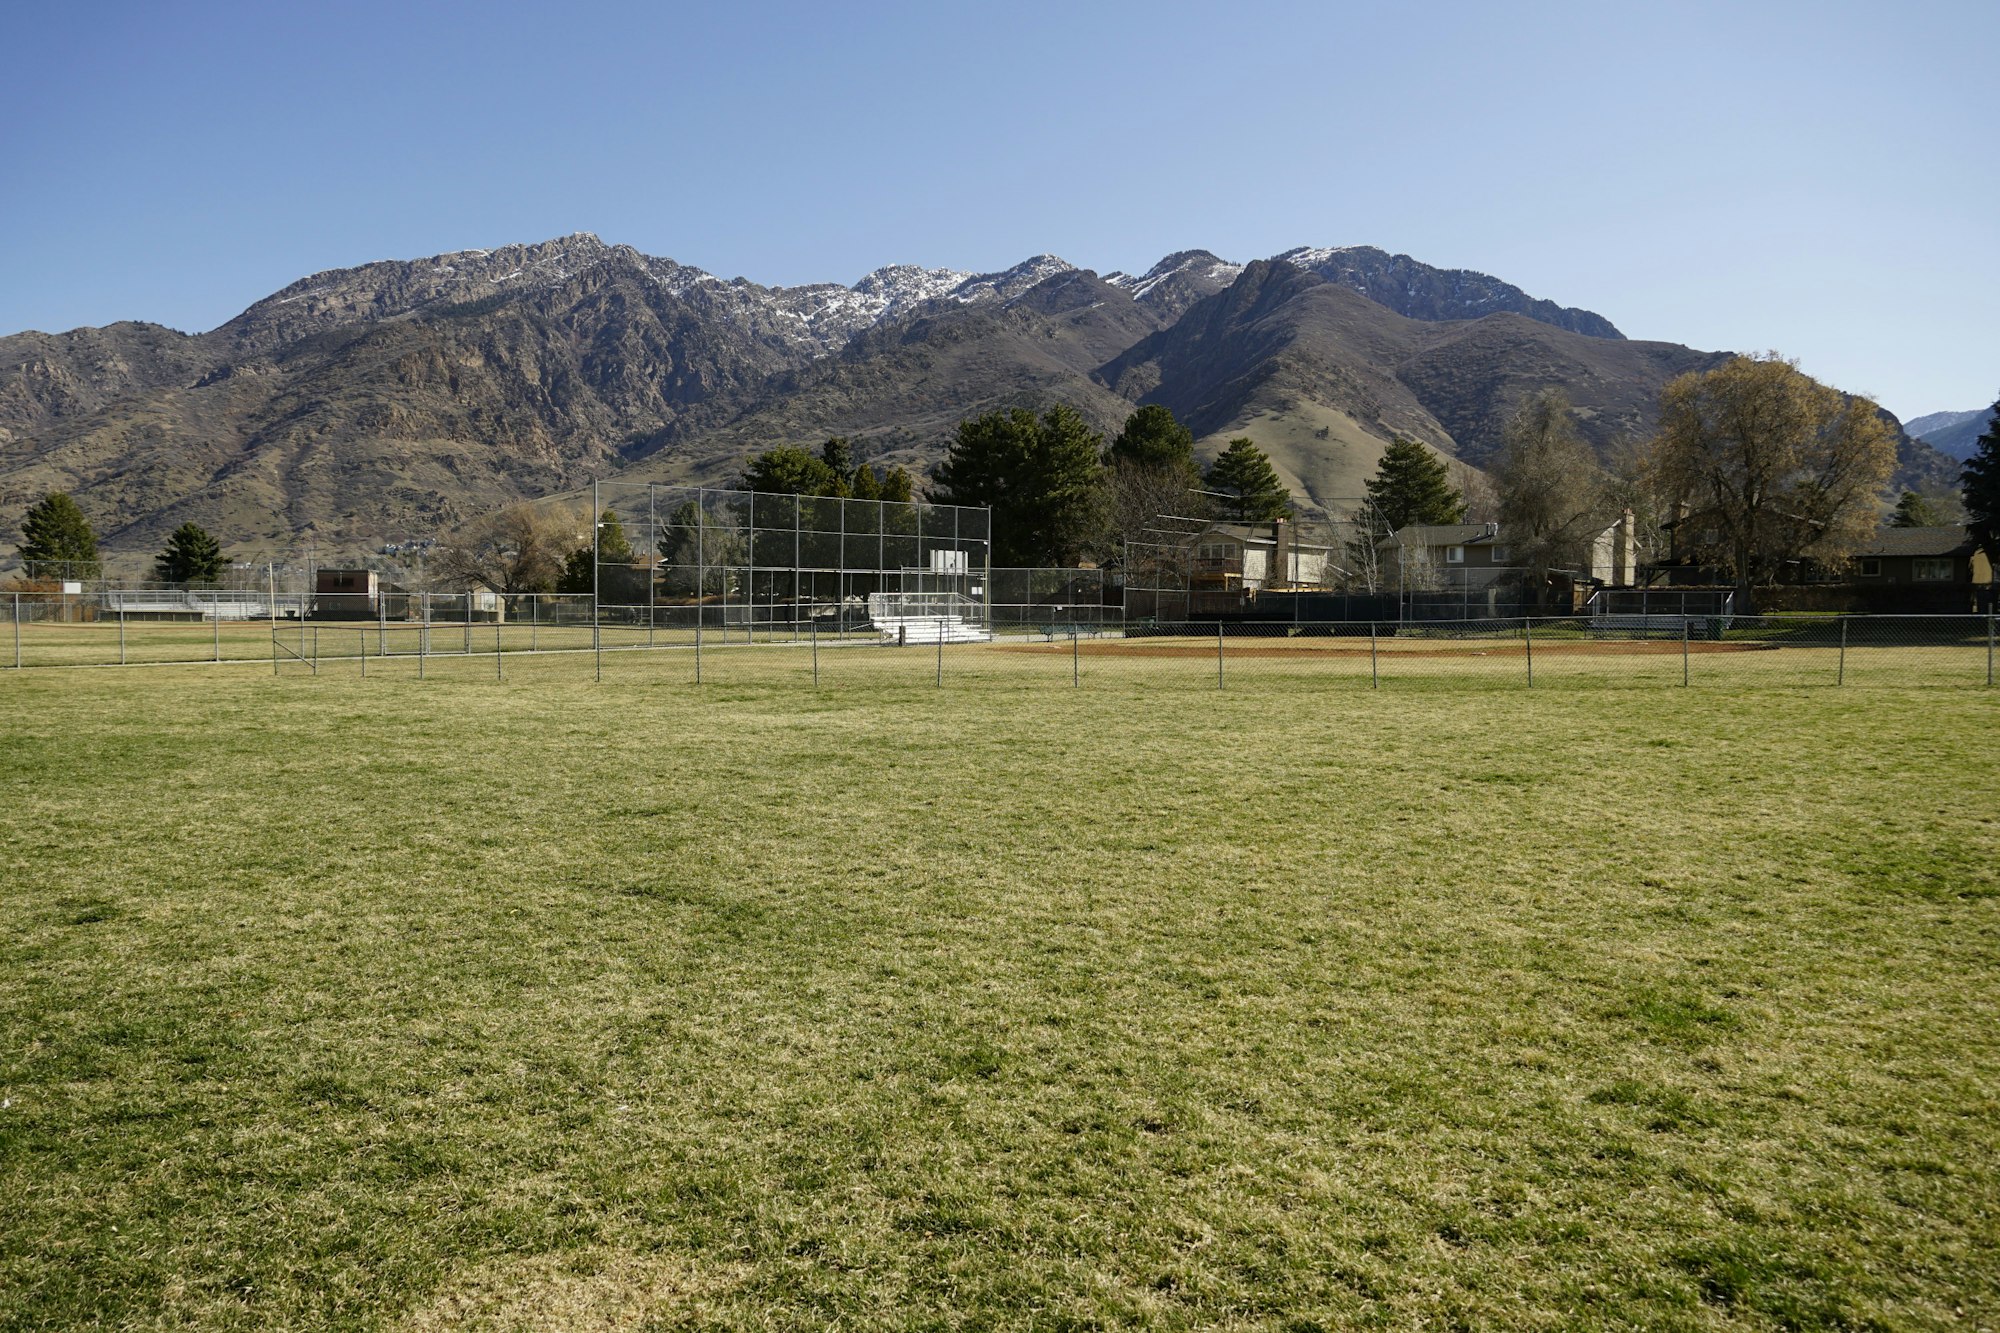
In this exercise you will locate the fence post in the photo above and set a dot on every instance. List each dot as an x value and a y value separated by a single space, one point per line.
215 628
121 629
940 665
1374 663
1075 662
597 639
1218 654
700 614
423 633
468 624
496 651
534 622
1684 649
274 649
1989 643
1841 677
362 634
1528 629
815 639
315 646
17 642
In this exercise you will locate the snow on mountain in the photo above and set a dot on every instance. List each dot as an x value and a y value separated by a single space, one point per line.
1195 265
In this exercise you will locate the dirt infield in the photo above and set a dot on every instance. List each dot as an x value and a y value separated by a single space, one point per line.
1404 648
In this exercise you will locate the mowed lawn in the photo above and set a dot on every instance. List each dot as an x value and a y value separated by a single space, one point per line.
545 1004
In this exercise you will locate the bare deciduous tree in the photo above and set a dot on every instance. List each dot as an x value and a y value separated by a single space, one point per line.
1778 465
514 550
1141 494
1553 498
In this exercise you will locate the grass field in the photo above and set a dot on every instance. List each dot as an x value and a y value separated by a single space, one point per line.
546 1004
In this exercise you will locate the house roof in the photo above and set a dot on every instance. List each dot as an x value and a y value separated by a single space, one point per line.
1951 539
1255 534
1444 534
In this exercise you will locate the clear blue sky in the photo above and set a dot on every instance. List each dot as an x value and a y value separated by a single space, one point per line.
1815 178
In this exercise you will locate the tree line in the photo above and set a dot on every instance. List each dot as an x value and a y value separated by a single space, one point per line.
1754 463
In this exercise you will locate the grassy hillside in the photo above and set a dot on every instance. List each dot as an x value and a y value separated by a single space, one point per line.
345 1004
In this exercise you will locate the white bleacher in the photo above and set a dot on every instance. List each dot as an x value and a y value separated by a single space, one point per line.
928 617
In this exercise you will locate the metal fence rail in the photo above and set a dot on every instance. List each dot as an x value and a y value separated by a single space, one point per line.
830 645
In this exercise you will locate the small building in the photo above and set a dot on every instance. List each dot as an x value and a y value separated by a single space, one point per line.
1924 557
346 594
1247 557
1444 555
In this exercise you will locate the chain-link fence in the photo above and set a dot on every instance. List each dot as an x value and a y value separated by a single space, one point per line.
947 638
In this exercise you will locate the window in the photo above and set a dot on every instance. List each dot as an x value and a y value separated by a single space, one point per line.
1497 554
1931 571
1454 555
1869 569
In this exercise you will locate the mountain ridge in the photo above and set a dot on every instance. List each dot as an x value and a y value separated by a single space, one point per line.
395 398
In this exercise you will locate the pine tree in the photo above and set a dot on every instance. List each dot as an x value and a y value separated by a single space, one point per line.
56 540
1040 476
613 546
1914 511
897 486
839 459
1250 487
1411 486
790 470
1981 481
191 556
1153 439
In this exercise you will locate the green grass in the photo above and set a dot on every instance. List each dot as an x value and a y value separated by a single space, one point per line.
545 1004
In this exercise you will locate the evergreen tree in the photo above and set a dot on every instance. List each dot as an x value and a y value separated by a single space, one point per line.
1914 511
191 556
1251 491
56 540
839 460
865 486
698 557
1981 480
1152 438
578 574
1039 475
790 470
897 486
613 546
1411 486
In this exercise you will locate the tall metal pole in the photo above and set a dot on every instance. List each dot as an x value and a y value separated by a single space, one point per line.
815 643
315 656
596 607
17 642
1841 678
215 629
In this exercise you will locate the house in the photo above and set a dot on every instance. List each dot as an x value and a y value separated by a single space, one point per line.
1924 556
1245 557
1444 555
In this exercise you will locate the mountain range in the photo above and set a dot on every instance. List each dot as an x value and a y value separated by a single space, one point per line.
389 401
1953 434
